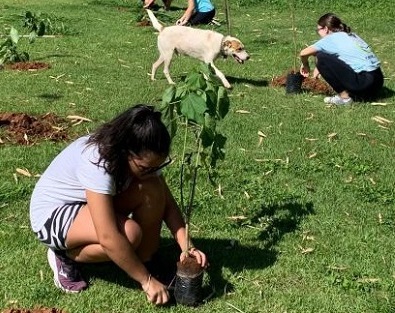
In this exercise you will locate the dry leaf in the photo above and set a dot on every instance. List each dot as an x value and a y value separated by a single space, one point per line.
379 103
311 115
307 250
311 139
368 280
76 117
260 134
237 217
313 155
23 172
381 120
243 112
247 195
380 218
331 136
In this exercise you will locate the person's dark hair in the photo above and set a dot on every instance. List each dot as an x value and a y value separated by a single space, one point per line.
333 23
139 129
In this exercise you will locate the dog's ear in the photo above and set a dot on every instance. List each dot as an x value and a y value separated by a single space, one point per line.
227 43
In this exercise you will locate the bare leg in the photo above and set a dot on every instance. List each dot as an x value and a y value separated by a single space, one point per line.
145 200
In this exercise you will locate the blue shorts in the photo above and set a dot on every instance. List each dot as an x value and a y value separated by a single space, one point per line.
54 232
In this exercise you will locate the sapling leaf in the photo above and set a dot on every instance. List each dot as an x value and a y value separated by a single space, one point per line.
193 107
32 36
167 110
14 35
169 95
195 81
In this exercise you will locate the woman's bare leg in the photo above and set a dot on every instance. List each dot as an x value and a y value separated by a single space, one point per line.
144 199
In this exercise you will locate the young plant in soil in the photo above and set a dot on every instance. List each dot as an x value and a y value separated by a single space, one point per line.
194 108
9 52
294 78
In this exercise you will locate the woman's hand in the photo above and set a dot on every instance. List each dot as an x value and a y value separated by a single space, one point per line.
197 254
156 292
182 21
305 70
316 73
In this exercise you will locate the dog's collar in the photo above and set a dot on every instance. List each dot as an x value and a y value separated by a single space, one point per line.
222 48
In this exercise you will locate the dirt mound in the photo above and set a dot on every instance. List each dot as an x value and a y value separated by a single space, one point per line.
28 66
40 310
314 85
25 129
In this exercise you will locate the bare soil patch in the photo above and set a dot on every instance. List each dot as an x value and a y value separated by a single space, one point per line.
21 128
314 85
28 66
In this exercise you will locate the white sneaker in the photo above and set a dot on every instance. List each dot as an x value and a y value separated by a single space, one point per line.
337 100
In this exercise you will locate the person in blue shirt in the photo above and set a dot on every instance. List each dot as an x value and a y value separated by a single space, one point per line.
345 61
197 12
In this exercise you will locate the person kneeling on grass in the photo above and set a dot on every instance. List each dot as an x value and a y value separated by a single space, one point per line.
103 198
345 61
197 12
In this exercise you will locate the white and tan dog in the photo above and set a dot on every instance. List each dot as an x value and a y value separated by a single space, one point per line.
205 45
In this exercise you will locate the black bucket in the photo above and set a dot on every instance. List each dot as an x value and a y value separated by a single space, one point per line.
294 83
188 290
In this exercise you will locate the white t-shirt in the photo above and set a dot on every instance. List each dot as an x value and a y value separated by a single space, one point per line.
66 180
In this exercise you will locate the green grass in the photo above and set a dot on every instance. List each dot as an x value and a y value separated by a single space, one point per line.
317 194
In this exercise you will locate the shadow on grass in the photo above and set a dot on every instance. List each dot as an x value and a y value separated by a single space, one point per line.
272 223
386 93
249 81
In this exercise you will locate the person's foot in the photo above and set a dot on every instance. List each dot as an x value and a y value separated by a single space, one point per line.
337 100
66 275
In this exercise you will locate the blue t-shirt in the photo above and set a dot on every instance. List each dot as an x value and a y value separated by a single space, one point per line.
351 49
203 6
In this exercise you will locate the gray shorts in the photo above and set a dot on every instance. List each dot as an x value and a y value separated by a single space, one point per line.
54 232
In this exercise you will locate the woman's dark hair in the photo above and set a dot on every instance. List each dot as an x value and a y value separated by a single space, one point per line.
137 130
333 23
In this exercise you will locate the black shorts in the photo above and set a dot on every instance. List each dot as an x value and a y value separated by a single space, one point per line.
54 232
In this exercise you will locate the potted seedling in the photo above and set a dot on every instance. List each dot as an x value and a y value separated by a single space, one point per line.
294 78
193 109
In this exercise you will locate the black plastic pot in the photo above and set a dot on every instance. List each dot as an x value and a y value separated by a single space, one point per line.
188 290
294 83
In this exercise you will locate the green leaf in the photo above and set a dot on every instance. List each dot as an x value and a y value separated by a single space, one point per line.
167 110
14 35
32 36
169 95
193 108
195 81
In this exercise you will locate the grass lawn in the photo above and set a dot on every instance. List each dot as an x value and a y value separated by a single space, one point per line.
303 218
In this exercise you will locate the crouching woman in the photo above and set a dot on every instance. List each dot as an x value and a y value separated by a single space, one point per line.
103 198
345 61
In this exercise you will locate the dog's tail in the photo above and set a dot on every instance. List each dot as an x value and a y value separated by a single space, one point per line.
155 23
